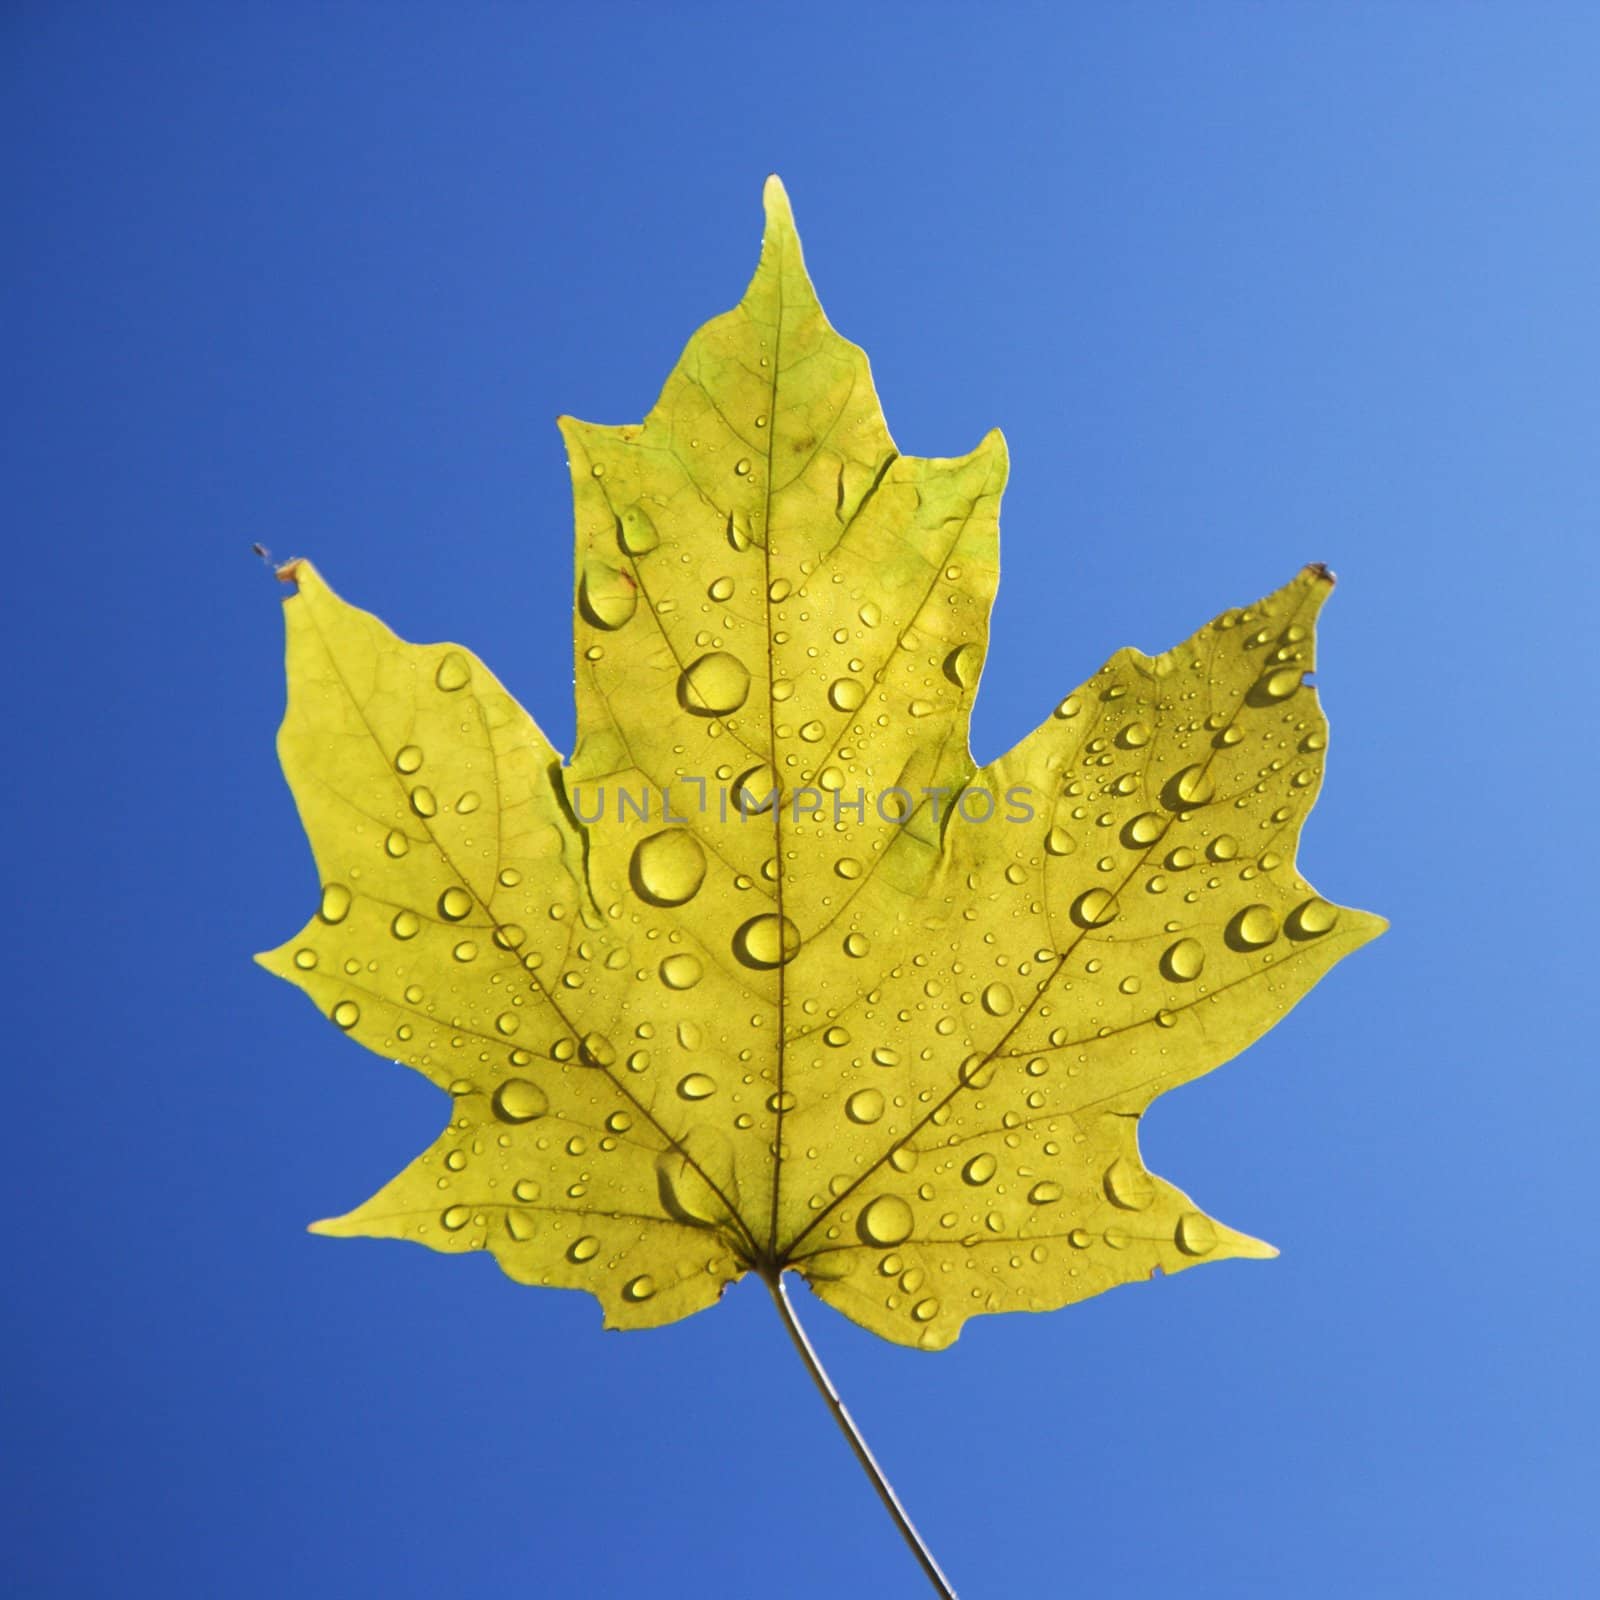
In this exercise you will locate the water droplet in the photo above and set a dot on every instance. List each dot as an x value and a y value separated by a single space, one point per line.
1223 848
767 941
855 944
636 533
1135 735
925 1310
423 801
469 802
668 868
845 694
1044 1194
921 708
336 902
347 1014
607 595
454 903
1128 1185
305 958
406 925
1059 842
1279 685
1252 928
518 1100
721 589
979 1170
696 1086
408 759
865 1105
1195 1235
1070 707
885 1220
455 672
526 1190
962 664
883 1056
455 1218
681 971
584 1249
847 867
640 1288
1094 908
1080 1239
715 685
742 466
1184 961
997 1000
1311 918
870 615
1144 829
1193 786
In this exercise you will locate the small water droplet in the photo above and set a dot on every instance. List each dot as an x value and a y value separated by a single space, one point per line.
640 1288
305 958
584 1249
742 466
455 1218
1044 1194
855 944
1279 685
408 759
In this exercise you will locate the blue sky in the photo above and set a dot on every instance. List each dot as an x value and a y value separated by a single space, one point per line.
1245 286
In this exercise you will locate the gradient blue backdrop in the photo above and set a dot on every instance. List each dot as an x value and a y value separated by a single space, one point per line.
1245 286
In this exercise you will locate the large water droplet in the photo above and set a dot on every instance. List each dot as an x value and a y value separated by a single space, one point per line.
406 925
408 759
1184 961
885 1220
845 694
997 1000
668 868
767 941
607 596
1128 1185
455 672
423 801
1058 842
962 664
454 903
336 902
979 1170
1195 1235
1044 1194
640 1288
1094 908
584 1249
1252 928
1311 918
1193 786
518 1100
865 1105
715 685
454 1218
636 533
347 1014
696 1086
682 971
1143 829
520 1225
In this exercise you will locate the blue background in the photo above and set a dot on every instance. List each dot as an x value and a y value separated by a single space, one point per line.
1245 286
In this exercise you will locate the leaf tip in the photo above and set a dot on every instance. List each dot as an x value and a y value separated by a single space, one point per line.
775 200
1320 572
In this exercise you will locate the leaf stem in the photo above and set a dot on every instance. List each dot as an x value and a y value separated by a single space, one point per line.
847 1426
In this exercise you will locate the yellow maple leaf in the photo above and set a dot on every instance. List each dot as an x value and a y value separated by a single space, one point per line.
769 976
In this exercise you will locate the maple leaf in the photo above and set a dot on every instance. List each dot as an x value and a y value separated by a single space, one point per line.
769 976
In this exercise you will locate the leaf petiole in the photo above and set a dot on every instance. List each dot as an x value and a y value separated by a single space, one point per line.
847 1426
